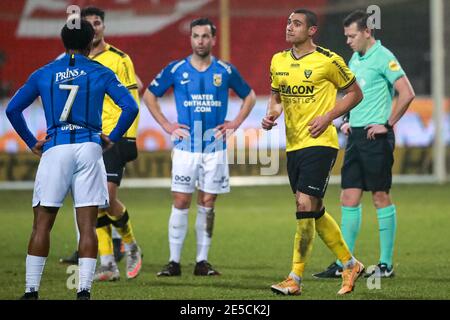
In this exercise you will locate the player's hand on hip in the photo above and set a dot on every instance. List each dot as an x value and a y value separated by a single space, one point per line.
268 122
345 128
374 129
177 130
318 125
226 129
37 149
106 142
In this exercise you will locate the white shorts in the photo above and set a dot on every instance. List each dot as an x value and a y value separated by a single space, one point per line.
209 171
77 167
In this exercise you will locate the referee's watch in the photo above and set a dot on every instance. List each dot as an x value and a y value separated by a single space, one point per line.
387 125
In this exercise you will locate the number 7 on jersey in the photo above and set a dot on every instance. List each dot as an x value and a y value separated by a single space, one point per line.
69 102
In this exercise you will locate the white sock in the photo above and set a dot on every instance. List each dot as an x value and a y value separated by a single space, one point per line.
178 226
204 216
107 259
129 246
295 277
76 226
86 267
350 263
34 268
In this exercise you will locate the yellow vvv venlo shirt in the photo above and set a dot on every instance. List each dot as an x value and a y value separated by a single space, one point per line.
121 64
308 88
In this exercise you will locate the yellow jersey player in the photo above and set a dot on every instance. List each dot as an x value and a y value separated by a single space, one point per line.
304 81
116 158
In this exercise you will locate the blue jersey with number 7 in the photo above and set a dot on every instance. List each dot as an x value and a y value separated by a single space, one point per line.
72 90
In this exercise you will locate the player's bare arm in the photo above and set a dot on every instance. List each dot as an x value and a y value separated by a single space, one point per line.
247 105
353 96
405 96
274 110
179 131
139 83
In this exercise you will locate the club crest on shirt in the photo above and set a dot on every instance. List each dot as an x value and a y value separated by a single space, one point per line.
217 79
308 73
394 66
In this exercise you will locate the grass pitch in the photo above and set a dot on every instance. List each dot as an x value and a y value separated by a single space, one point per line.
252 247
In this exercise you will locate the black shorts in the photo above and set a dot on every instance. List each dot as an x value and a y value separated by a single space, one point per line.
309 169
368 163
116 158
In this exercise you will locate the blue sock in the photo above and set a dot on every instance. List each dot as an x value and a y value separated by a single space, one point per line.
350 226
387 223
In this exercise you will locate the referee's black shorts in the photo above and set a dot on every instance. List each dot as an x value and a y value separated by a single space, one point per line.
368 163
309 169
116 158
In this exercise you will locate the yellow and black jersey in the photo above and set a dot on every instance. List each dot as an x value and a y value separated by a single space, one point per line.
308 88
121 64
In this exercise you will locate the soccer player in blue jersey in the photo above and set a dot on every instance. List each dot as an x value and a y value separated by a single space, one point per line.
116 216
201 83
72 90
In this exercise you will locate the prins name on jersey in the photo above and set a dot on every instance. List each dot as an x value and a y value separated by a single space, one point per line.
69 74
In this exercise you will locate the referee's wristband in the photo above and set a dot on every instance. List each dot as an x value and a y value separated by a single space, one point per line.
387 125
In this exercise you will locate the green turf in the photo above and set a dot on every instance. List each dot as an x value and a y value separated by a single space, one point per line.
252 247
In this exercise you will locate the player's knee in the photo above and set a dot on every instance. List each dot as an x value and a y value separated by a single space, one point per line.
181 203
381 199
88 235
208 200
181 200
42 228
305 205
34 233
302 206
349 200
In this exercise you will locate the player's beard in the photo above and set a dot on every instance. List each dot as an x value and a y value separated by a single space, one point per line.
203 54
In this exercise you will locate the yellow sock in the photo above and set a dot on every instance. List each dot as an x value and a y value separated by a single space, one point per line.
105 245
303 242
123 227
330 233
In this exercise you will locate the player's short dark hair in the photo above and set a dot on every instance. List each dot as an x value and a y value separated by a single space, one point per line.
204 22
93 11
311 17
359 17
78 38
